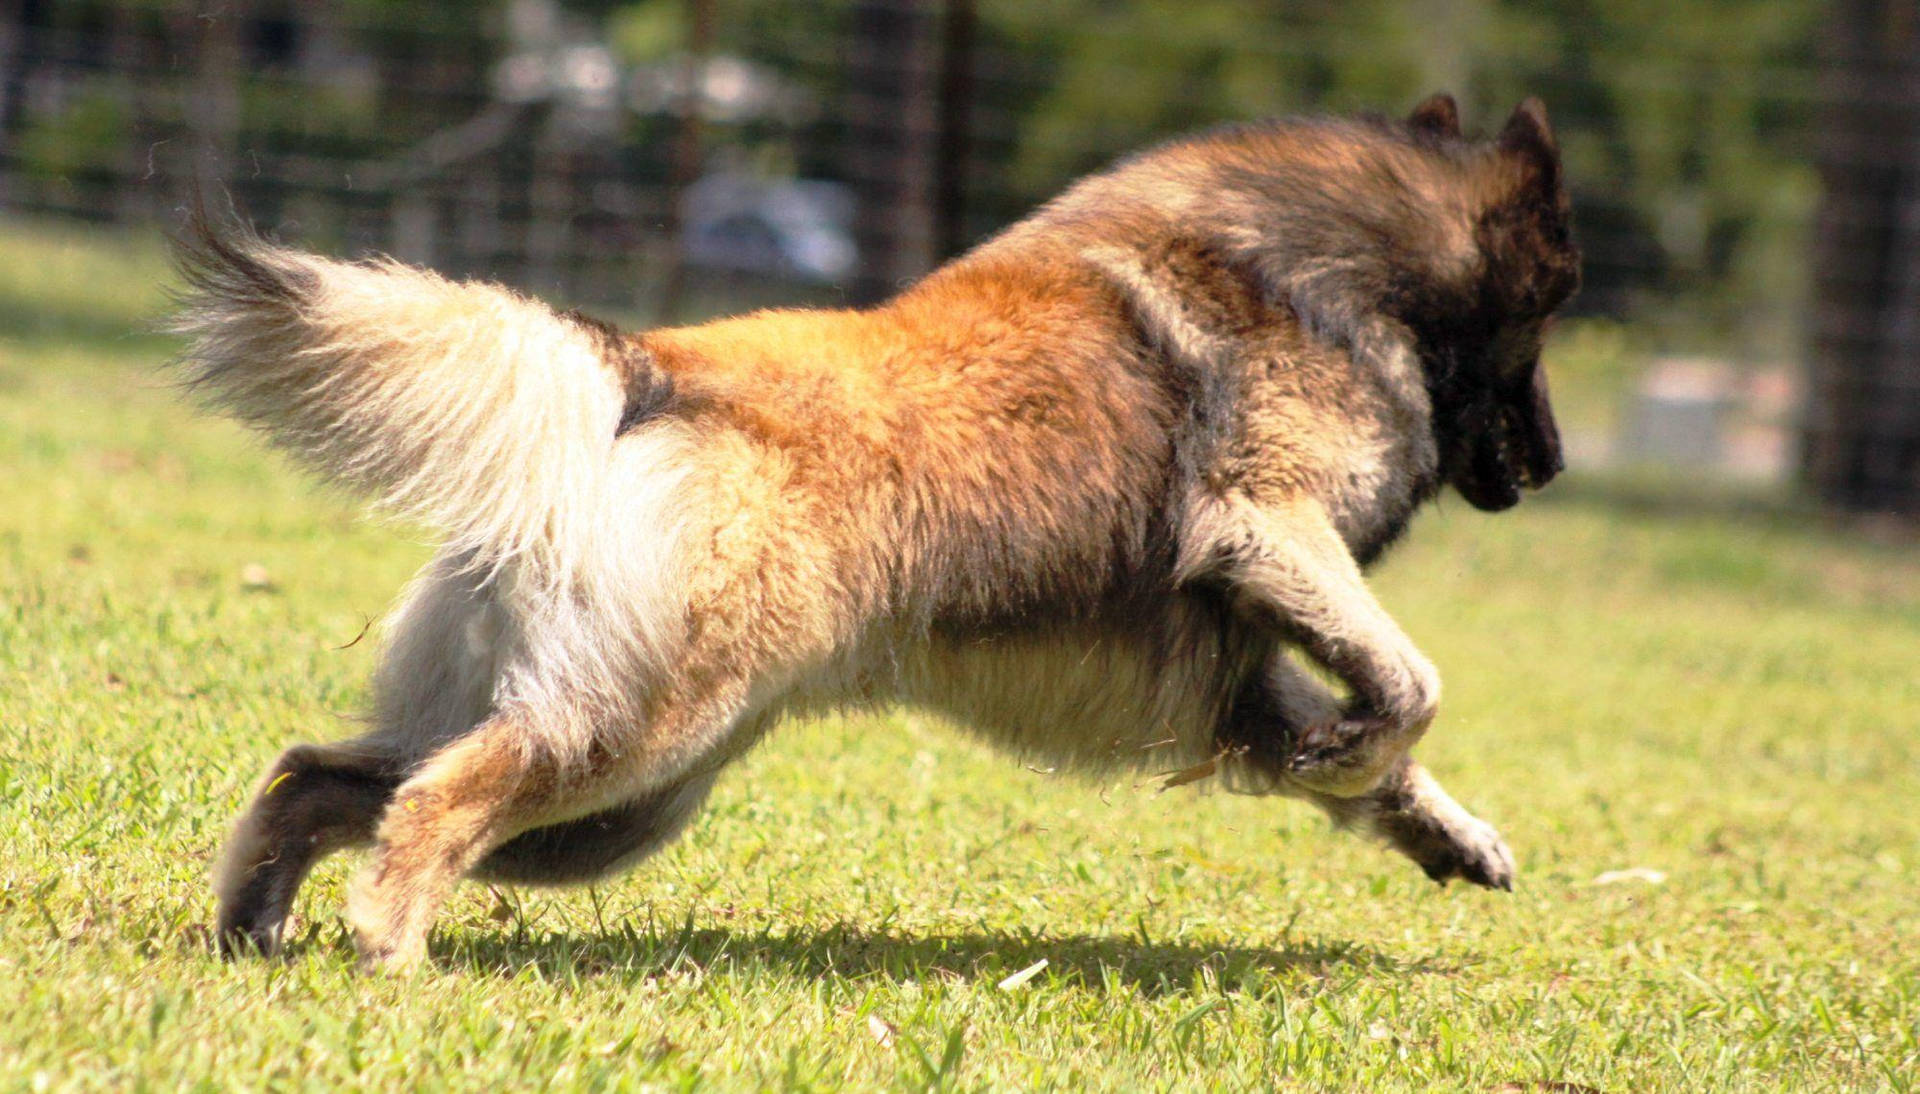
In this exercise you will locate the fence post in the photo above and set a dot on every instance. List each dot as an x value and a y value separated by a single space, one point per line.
1862 443
19 53
687 157
954 154
891 107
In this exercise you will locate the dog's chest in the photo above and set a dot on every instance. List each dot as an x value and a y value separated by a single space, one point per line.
1377 491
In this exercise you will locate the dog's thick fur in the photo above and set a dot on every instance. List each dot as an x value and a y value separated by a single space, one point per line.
1086 489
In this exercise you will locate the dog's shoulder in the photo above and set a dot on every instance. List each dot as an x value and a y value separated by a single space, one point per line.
1276 409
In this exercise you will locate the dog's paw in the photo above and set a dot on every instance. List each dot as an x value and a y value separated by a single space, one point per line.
1423 823
246 932
1468 848
396 958
237 943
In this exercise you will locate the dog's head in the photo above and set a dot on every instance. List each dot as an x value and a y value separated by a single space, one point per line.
1481 338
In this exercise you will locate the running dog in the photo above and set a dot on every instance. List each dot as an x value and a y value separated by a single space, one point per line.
1093 489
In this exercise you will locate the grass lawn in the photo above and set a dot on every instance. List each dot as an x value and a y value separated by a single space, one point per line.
1726 693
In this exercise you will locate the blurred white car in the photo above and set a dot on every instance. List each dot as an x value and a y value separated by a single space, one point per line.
784 227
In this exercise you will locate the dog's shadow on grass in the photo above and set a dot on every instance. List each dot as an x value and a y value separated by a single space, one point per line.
861 953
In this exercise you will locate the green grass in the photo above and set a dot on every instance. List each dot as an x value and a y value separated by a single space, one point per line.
1722 692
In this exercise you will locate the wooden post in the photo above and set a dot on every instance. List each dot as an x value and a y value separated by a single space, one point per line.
687 158
1862 449
20 45
891 128
213 111
953 155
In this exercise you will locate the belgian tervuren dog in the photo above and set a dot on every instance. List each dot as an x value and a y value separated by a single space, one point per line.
1087 489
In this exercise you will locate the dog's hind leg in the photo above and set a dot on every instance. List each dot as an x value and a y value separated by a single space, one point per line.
503 779
314 800
432 687
578 851
465 799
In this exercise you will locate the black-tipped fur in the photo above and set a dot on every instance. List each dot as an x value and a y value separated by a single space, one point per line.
228 263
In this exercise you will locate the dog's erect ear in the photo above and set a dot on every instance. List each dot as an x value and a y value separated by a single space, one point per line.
1528 138
1528 127
1439 115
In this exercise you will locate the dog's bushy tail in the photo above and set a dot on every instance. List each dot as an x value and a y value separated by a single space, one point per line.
464 406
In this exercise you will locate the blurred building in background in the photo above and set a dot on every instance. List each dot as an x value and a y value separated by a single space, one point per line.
1747 172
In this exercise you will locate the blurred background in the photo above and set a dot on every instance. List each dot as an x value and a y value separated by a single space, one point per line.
1746 173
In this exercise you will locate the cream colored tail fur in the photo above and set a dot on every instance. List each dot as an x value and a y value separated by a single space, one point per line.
461 405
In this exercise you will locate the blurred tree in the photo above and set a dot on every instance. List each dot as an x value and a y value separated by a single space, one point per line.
1689 123
1686 123
1682 123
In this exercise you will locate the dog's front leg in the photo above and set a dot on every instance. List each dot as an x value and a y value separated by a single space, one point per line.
1407 809
1286 567
1413 814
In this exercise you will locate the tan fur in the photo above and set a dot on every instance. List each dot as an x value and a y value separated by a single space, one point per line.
1088 490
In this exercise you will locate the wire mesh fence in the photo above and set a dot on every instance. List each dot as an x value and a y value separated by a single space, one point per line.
1747 172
